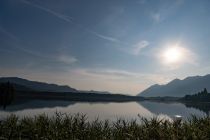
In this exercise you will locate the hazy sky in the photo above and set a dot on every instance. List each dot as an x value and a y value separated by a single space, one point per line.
122 46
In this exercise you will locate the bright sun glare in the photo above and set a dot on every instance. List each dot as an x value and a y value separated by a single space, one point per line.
172 54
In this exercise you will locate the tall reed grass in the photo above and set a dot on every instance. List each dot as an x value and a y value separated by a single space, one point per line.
77 127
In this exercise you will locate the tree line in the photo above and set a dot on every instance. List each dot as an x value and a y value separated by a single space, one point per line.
7 92
202 96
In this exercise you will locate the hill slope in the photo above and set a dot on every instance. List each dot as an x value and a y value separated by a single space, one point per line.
36 86
178 88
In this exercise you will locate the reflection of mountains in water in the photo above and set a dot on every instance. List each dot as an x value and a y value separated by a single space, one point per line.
170 108
34 104
38 104
167 108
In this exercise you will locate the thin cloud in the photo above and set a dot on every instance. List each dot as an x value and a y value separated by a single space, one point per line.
112 72
139 46
115 79
103 36
71 20
67 59
118 75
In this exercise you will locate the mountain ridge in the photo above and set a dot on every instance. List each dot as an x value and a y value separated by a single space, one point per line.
178 88
37 86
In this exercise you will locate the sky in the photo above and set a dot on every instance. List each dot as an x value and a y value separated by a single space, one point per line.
121 46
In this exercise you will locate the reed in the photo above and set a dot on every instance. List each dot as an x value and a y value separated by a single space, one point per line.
77 127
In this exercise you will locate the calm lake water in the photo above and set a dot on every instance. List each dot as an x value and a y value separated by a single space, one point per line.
111 111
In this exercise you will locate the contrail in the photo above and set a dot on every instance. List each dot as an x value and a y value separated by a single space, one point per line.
61 16
18 45
71 20
103 36
17 40
9 34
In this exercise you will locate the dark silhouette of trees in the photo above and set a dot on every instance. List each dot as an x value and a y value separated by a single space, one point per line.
205 91
7 92
202 96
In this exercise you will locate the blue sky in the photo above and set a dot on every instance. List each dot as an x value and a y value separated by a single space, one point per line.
104 45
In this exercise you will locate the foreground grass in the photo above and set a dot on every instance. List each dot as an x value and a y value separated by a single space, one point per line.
76 127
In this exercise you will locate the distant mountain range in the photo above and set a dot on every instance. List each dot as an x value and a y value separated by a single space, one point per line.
175 88
26 85
21 84
32 90
178 88
97 92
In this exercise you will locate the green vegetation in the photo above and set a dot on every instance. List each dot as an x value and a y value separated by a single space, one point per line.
74 127
202 96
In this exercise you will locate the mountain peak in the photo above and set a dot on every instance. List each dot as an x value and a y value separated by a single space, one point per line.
178 88
174 81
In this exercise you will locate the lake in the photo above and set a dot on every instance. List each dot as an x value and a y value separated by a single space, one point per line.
111 111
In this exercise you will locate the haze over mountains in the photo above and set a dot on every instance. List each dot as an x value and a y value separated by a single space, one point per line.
178 88
21 84
32 90
175 88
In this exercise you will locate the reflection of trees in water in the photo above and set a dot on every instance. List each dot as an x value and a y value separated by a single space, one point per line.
198 101
24 104
6 94
174 108
205 107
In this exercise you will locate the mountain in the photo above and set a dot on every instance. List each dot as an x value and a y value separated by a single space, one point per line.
26 85
178 88
94 91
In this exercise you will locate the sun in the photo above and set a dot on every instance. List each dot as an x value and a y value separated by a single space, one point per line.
172 54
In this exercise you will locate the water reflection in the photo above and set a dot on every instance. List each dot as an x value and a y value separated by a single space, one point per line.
171 109
112 111
205 107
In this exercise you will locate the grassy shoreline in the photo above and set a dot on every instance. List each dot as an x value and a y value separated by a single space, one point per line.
74 127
